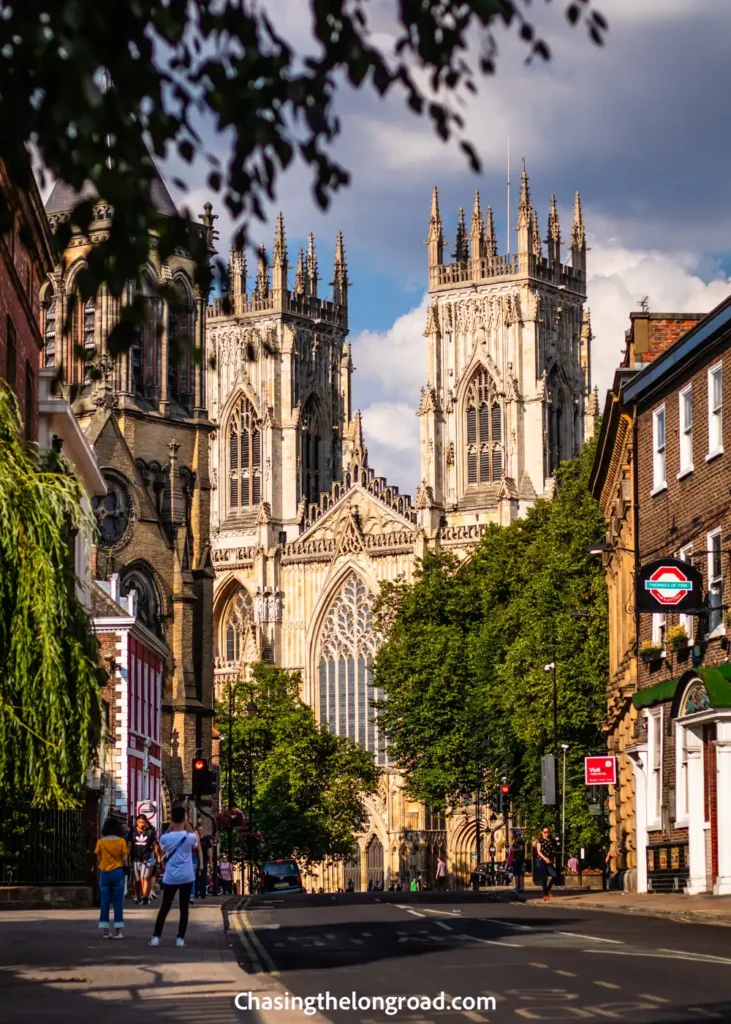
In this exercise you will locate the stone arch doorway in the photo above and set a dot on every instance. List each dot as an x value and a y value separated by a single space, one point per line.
351 872
374 861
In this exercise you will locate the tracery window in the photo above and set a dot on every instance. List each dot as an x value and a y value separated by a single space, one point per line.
312 451
240 611
348 646
139 579
557 447
244 454
484 430
180 345
83 317
49 327
145 348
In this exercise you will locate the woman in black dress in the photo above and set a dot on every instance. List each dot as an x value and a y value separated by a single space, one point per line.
546 855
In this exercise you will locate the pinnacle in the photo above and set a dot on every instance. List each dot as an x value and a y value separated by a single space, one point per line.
434 213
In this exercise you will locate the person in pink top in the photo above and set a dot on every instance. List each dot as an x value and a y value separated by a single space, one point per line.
226 873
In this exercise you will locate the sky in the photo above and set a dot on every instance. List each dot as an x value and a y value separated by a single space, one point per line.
638 126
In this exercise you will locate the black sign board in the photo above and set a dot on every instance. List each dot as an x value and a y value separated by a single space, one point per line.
669 585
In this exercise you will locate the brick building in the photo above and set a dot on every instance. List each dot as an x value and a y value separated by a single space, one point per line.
682 479
26 251
613 485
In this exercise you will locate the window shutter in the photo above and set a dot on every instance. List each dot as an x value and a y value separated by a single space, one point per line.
497 463
472 425
497 423
472 465
256 488
484 463
484 423
256 449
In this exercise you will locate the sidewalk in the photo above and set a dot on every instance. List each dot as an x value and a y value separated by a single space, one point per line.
705 909
54 966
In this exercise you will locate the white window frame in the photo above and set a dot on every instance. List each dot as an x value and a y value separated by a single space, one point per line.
715 580
654 771
688 621
715 414
659 626
681 776
685 420
659 451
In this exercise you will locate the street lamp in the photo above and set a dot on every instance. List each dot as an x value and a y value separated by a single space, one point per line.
251 709
551 667
564 748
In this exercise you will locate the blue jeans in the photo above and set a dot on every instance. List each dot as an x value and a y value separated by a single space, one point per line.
111 892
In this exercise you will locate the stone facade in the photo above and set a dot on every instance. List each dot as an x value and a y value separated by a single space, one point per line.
303 529
144 414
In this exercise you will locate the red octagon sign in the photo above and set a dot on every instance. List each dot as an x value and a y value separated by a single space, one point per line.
668 585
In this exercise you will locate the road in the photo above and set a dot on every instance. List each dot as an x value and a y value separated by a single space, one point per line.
538 962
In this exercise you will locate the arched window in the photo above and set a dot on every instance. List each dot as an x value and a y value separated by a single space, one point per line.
239 611
49 327
484 431
145 348
348 646
557 447
244 454
139 579
82 347
312 451
180 346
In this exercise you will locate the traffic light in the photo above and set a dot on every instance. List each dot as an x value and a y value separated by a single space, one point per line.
505 799
204 781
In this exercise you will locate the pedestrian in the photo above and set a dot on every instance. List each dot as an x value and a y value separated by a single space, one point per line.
546 854
573 863
517 861
143 854
111 860
201 876
440 875
350 887
415 884
370 885
178 845
226 873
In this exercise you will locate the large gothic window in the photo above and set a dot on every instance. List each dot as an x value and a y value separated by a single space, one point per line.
348 646
484 430
557 446
145 348
312 451
180 345
239 611
244 454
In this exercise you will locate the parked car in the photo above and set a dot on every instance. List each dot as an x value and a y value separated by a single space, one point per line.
280 876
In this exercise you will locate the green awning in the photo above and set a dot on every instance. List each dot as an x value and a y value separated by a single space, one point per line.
655 694
717 680
718 684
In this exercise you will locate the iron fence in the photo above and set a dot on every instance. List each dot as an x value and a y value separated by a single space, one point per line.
44 847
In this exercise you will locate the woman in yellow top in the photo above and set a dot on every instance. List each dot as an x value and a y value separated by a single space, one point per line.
111 857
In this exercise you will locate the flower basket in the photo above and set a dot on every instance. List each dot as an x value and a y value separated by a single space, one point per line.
650 654
678 638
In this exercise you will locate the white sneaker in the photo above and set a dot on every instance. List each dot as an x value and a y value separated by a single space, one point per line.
179 942
119 934
154 941
192 903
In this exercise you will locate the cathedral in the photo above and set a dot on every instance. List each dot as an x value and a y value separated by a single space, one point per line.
303 530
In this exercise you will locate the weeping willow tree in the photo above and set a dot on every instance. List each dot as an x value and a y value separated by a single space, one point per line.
49 675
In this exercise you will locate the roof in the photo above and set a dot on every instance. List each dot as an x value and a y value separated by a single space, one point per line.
691 345
717 680
64 198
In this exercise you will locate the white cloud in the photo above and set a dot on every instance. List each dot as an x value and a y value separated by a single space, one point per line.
391 432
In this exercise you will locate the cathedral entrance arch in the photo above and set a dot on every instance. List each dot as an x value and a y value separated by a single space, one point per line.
374 861
351 872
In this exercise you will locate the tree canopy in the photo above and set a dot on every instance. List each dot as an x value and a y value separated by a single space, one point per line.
49 675
467 696
308 784
94 83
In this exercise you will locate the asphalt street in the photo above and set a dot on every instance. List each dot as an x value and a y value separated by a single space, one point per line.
537 961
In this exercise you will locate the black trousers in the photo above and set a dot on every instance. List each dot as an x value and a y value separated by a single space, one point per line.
168 895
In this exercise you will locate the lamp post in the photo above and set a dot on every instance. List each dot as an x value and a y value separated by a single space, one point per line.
251 709
230 772
564 748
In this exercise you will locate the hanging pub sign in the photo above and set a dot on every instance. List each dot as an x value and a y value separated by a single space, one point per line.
668 584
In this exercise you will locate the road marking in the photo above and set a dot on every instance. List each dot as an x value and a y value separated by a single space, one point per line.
367 935
606 984
444 925
330 936
567 974
592 938
258 954
489 942
698 958
279 944
357 942
473 1015
415 913
708 1014
655 999
708 956
538 965
268 927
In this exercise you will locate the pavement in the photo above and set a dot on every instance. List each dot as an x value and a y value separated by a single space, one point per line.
565 960
704 909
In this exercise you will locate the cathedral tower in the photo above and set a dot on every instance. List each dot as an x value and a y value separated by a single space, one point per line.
508 367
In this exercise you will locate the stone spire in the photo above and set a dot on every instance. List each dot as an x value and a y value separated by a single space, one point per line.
535 236
299 274
477 246
279 258
340 273
524 215
461 251
237 273
490 236
553 239
262 274
435 238
578 238
311 277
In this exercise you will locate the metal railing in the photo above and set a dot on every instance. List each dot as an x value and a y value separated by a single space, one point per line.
44 847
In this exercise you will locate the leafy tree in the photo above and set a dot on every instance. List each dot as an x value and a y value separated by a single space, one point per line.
86 80
308 784
49 674
463 669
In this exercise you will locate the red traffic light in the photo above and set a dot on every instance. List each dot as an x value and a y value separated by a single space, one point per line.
199 765
505 788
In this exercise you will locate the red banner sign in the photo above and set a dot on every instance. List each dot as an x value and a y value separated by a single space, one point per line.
600 771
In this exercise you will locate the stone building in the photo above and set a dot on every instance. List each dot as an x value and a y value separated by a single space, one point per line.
303 530
26 252
612 483
144 414
681 748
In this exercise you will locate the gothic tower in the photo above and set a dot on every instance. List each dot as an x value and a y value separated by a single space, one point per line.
508 367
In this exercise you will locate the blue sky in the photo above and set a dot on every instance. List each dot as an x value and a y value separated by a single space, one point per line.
639 127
